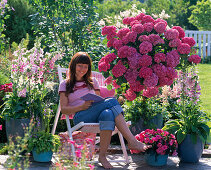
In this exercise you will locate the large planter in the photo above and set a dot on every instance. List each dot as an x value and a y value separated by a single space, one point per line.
190 152
154 159
15 127
43 156
157 121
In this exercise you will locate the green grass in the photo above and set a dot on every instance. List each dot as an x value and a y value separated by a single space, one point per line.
205 83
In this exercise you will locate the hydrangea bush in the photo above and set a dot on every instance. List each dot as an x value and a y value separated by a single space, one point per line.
145 55
162 141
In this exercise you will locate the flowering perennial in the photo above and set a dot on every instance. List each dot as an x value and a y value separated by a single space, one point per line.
162 141
145 55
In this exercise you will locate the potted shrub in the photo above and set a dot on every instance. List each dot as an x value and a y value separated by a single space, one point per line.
163 144
29 74
145 113
190 125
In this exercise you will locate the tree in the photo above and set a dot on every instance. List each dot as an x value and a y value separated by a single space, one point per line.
201 15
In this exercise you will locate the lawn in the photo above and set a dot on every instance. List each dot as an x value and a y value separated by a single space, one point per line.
205 83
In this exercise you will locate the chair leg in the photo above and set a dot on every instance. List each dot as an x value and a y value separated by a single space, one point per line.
56 119
123 147
70 137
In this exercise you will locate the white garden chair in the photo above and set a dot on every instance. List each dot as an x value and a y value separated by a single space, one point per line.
87 127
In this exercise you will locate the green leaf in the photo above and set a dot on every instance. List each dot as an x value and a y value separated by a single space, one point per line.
180 136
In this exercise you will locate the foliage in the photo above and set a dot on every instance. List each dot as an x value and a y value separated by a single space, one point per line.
201 15
3 16
68 27
191 121
143 108
145 55
162 142
18 23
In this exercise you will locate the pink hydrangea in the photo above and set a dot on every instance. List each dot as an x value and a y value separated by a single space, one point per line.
143 38
146 19
140 16
129 37
117 44
116 86
159 70
110 42
155 39
109 58
135 22
133 60
175 42
159 57
111 35
148 27
108 80
150 92
126 51
160 27
131 75
165 81
130 95
171 72
128 20
119 69
172 58
122 32
138 28
145 47
145 60
171 34
160 20
184 48
189 40
145 72
195 59
136 86
180 30
108 29
151 81
102 65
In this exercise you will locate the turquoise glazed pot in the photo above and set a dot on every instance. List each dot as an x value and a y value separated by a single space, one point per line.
43 156
154 159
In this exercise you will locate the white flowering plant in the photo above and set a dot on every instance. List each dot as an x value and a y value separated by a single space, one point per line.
145 55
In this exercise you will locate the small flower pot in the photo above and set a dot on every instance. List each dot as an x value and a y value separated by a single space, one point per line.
154 159
43 156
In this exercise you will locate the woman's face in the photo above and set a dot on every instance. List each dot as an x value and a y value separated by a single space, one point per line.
81 70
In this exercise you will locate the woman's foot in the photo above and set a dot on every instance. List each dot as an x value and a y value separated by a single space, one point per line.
104 162
136 145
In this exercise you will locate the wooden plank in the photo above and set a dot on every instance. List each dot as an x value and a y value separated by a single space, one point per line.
199 45
209 44
204 45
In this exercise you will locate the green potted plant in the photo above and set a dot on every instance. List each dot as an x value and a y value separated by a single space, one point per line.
42 143
190 127
144 113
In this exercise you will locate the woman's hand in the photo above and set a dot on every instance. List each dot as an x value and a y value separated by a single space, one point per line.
87 104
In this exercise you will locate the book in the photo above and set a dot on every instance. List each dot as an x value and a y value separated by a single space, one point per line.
94 97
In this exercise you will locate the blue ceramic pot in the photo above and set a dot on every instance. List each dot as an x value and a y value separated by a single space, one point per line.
43 156
190 152
154 159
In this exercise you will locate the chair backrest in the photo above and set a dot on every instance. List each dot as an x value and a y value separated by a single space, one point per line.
100 78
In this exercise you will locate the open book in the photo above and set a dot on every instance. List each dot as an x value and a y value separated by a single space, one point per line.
94 97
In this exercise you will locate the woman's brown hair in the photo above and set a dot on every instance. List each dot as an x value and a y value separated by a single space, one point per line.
82 58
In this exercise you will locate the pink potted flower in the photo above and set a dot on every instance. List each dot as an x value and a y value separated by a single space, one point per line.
163 144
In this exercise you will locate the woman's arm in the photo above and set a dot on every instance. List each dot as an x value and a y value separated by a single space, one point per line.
97 92
66 109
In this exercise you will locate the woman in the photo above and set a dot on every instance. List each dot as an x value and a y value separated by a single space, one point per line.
108 113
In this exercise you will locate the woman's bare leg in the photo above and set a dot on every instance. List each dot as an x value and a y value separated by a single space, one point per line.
133 143
105 139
